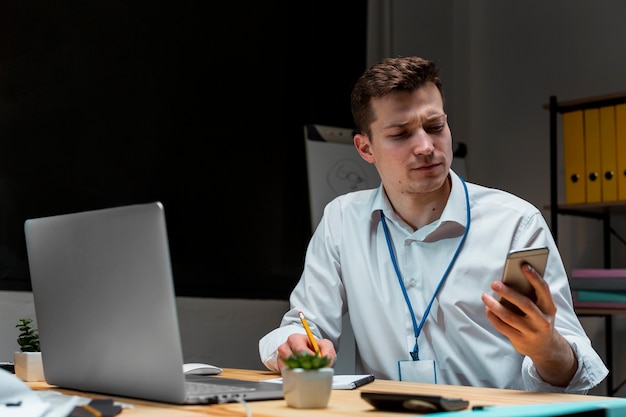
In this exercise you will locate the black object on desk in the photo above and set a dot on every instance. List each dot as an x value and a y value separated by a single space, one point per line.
8 366
413 402
97 408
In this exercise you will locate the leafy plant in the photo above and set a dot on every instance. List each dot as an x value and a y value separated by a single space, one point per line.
306 360
29 337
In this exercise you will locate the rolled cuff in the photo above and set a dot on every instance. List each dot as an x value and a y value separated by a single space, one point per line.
591 371
268 345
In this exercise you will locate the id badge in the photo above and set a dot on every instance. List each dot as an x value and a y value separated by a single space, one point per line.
417 371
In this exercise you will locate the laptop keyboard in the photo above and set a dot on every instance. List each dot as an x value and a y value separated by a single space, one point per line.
196 388
208 393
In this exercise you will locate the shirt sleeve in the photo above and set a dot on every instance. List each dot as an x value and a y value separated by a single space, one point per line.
591 371
268 345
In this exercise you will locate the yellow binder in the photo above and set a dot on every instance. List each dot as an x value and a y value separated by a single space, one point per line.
574 157
593 161
608 149
620 136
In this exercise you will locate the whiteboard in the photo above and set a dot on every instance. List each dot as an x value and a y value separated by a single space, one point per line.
334 167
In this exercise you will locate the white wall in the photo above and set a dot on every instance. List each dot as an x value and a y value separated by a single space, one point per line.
501 60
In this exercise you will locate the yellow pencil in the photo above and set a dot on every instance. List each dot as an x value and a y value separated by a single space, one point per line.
308 332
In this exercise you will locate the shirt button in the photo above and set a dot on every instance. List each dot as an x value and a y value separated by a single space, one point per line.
412 283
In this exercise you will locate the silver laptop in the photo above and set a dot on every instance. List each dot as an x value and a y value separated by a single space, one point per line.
106 312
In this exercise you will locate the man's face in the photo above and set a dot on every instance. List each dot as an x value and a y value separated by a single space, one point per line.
411 143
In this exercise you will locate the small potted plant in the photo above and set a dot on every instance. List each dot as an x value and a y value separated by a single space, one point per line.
307 380
27 361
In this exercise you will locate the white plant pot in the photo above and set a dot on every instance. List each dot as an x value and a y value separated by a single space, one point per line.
307 388
28 366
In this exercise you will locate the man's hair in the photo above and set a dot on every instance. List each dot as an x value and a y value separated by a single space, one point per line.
387 76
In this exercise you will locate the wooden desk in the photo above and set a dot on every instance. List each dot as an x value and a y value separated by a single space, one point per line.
343 403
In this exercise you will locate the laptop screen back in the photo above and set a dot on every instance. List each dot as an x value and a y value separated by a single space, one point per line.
105 304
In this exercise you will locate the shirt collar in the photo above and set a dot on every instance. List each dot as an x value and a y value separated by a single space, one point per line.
451 224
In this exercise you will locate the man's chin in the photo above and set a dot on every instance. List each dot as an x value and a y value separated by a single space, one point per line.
427 183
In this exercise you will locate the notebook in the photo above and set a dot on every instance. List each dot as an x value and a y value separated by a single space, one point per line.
106 310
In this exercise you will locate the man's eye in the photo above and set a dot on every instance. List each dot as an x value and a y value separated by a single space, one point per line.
434 128
398 135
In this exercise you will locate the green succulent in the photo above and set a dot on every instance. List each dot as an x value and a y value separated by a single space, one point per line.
29 337
306 360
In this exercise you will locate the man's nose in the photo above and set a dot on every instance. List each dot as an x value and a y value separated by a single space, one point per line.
422 143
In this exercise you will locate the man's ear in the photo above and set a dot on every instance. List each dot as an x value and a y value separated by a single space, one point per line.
362 145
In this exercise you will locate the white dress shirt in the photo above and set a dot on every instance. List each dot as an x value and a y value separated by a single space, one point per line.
348 267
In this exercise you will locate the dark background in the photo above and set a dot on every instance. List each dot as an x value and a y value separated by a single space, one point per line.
200 105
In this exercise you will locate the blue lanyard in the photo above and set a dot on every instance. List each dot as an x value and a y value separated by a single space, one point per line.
417 329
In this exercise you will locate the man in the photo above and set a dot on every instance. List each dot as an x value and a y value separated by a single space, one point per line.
417 262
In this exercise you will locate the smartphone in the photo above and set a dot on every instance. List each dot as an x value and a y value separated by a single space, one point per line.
514 277
413 402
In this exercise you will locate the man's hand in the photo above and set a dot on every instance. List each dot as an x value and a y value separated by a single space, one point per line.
300 342
533 335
